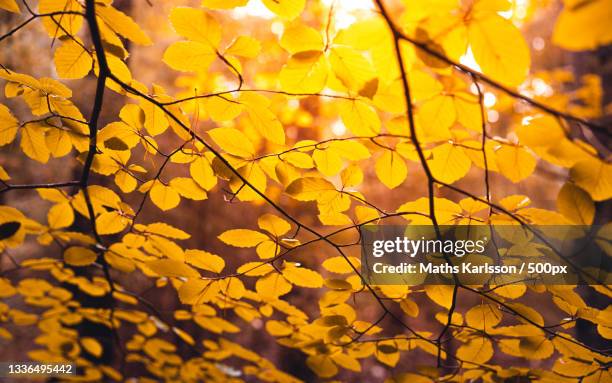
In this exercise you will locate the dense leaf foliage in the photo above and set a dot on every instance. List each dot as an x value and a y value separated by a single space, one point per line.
386 98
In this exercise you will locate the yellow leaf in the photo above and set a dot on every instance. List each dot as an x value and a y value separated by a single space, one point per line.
298 37
360 118
223 108
123 25
60 215
162 229
272 285
72 61
499 49
351 176
68 24
409 307
527 313
476 350
204 260
33 142
387 353
244 46
111 222
92 346
189 56
322 365
273 224
196 25
4 175
514 162
340 265
233 142
242 237
351 150
594 176
449 163
536 347
287 9
262 118
164 197
223 4
441 294
8 126
79 256
327 161
351 67
202 173
172 268
305 72
303 277
391 169
483 317
436 116
268 249
255 176
583 25
309 188
183 335
188 188
576 204
58 141
9 5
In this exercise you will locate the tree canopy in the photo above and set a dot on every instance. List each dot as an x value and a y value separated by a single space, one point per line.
310 121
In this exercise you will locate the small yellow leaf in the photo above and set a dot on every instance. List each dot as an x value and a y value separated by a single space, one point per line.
92 346
242 237
483 317
576 204
123 25
273 224
33 142
8 126
327 161
272 285
111 222
477 350
298 37
594 176
60 215
506 57
9 5
172 268
441 294
233 141
360 118
72 61
449 163
189 56
79 256
514 162
303 277
287 9
340 265
244 46
322 365
196 25
309 188
164 197
391 169
204 260
223 4
188 188
305 73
